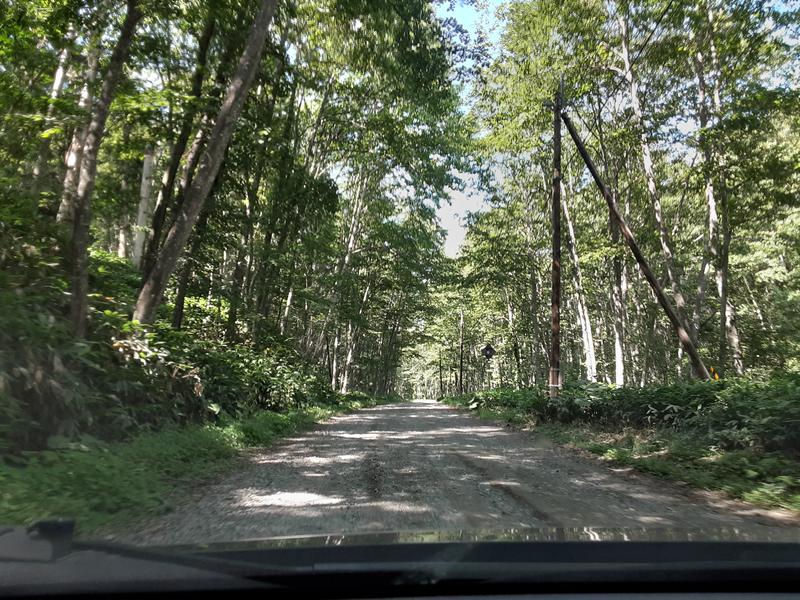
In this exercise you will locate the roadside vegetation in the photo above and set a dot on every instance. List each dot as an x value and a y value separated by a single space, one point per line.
217 225
116 426
738 436
102 484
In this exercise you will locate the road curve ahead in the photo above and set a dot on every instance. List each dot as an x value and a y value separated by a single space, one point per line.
422 466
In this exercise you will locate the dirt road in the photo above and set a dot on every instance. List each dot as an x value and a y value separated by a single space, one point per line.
425 467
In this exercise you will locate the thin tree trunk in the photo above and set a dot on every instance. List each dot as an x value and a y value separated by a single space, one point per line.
710 253
179 147
618 301
514 342
122 238
728 333
348 361
236 288
335 360
74 158
460 351
144 206
180 295
44 143
152 291
188 270
582 310
287 310
353 236
649 171
94 137
352 335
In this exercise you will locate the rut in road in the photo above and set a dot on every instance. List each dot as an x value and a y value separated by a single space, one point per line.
421 466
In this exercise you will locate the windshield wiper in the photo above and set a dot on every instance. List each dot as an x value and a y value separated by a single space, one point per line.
49 541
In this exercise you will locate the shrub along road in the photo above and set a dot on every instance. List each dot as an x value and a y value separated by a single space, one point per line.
423 466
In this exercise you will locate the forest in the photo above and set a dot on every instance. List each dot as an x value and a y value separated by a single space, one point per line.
221 217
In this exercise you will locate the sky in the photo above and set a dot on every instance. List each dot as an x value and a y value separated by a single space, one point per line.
451 216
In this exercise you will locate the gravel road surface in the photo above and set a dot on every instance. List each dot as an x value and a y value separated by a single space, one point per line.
422 466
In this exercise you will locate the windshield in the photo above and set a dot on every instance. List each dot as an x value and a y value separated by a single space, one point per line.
435 270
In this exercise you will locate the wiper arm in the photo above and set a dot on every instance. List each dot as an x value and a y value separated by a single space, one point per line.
43 542
236 568
49 541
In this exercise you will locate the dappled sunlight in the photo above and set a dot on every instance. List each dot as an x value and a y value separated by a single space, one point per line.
425 467
287 499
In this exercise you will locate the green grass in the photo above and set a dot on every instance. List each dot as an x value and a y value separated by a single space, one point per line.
737 436
770 480
113 484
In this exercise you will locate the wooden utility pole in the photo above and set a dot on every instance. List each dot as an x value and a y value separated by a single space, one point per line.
441 380
555 297
460 351
672 315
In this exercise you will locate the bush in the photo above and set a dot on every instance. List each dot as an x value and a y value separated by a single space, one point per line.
123 379
517 406
99 483
731 413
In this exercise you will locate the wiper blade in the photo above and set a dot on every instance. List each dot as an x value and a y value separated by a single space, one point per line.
237 568
42 542
49 541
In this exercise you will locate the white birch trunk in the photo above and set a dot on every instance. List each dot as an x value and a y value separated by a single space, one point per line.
74 157
143 214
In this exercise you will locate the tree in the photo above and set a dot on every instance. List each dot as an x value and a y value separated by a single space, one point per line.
156 281
79 244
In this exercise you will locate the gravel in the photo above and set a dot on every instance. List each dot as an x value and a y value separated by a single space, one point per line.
422 466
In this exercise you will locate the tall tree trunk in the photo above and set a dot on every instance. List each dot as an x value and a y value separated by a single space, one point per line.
728 334
44 143
152 291
649 172
144 206
165 193
179 308
618 302
122 238
335 359
352 338
590 359
236 287
286 310
514 341
357 209
80 234
187 271
348 361
460 351
710 251
74 158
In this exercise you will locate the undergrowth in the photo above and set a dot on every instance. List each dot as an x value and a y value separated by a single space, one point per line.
124 379
99 484
738 436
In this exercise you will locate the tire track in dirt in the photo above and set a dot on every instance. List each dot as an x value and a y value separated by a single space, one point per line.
422 466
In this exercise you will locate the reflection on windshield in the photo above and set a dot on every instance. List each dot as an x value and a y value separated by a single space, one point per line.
575 534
